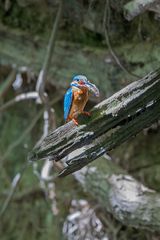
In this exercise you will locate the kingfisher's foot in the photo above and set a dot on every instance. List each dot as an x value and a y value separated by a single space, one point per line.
86 113
75 121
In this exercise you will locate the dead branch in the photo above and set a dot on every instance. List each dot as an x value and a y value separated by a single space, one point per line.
19 98
8 82
50 48
124 197
113 121
137 7
14 185
40 92
106 27
46 181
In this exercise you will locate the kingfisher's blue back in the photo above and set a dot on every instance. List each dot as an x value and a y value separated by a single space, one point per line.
67 103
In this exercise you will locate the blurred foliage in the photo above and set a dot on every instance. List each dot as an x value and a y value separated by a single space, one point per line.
81 48
29 215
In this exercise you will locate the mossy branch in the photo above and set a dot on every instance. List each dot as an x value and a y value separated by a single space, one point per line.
113 121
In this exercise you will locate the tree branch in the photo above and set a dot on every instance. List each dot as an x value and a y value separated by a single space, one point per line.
106 27
136 7
8 82
50 48
113 121
125 198
18 98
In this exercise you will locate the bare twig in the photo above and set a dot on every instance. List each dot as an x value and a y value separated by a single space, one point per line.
20 139
19 98
40 88
106 24
8 82
14 185
18 176
49 116
48 113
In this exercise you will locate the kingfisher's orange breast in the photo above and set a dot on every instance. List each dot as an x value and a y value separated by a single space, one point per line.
80 99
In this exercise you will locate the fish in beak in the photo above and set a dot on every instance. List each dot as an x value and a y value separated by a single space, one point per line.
92 88
80 81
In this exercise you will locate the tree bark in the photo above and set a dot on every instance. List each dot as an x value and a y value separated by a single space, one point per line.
113 121
136 7
125 198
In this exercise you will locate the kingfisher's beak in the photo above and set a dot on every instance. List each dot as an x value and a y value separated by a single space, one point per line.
92 88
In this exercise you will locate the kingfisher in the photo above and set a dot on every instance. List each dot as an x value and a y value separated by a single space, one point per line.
77 96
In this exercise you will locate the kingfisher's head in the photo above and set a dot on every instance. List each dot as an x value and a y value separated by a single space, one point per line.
81 81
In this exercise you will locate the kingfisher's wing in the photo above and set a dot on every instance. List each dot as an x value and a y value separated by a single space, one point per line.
67 102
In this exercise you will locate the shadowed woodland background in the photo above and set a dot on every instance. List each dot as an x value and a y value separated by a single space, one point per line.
95 38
